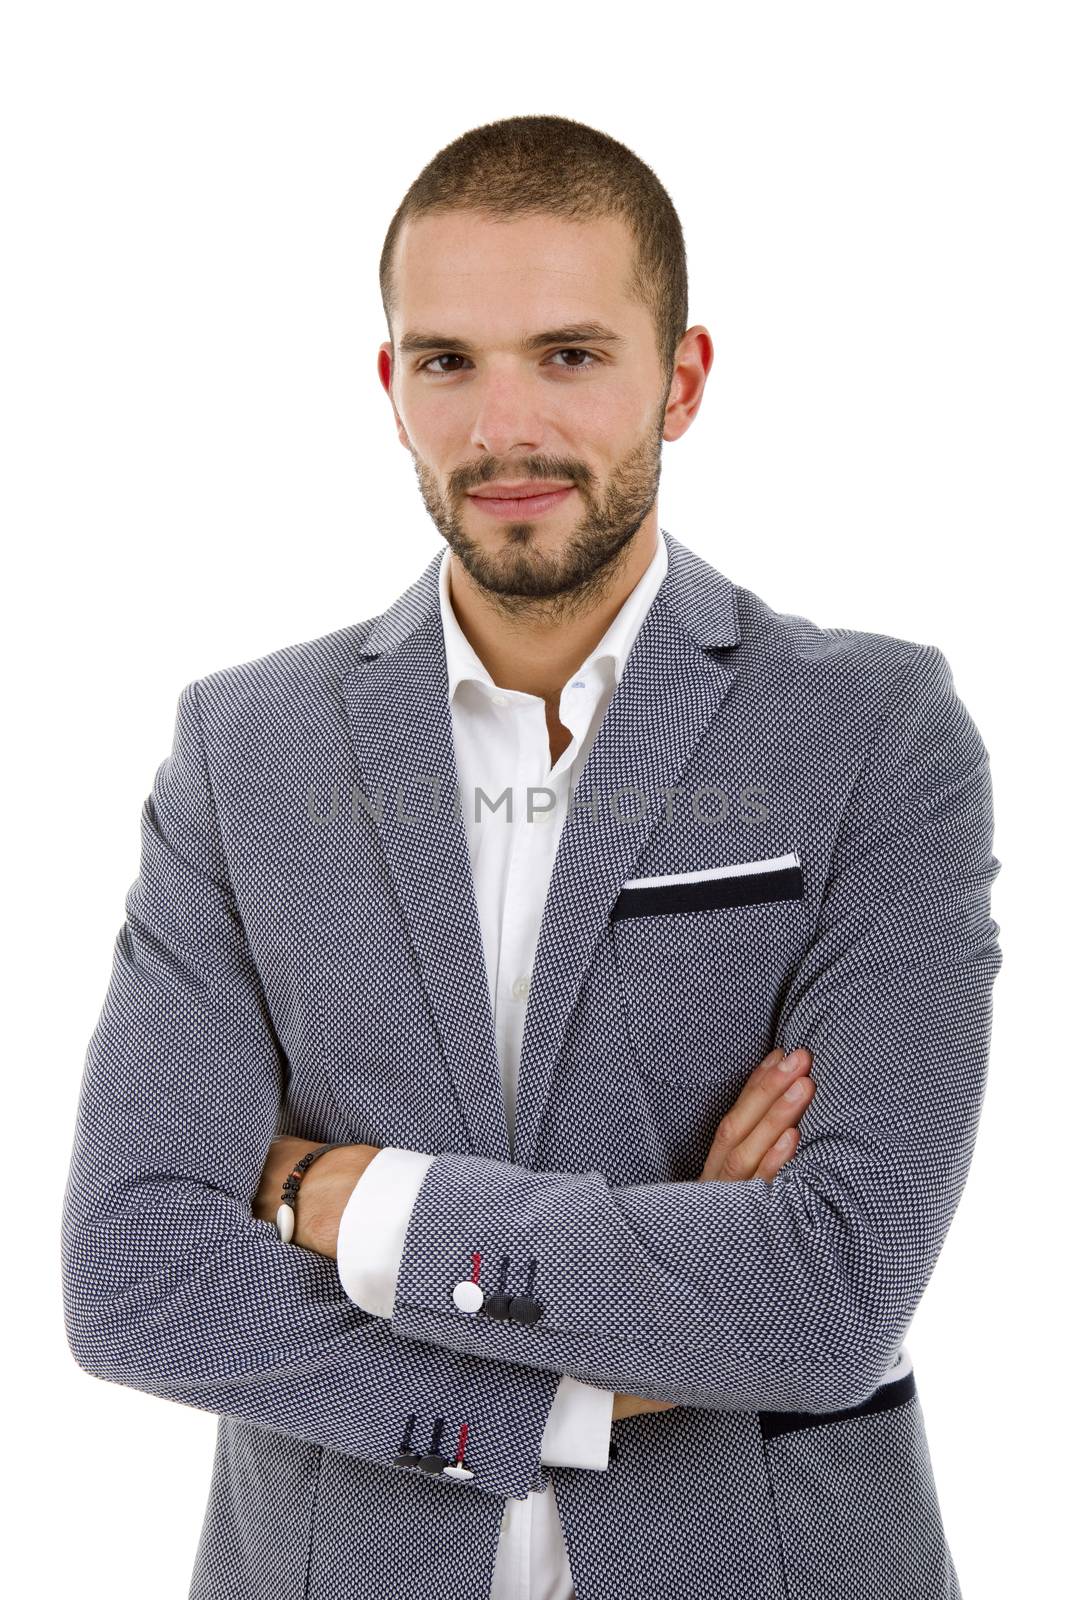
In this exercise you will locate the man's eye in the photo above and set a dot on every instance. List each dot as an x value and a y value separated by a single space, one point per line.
587 365
592 359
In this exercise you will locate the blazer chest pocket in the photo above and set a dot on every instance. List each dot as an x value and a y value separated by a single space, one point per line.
744 883
702 959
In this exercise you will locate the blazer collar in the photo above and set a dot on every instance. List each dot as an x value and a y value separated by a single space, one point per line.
703 602
399 718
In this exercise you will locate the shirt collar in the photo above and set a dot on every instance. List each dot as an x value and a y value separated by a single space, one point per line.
613 648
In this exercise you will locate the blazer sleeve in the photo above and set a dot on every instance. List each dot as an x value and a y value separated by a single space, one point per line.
170 1284
370 1238
792 1295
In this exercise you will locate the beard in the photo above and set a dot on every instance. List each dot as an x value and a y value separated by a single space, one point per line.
522 579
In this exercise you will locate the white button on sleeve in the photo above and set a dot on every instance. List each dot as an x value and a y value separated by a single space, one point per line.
373 1226
578 1429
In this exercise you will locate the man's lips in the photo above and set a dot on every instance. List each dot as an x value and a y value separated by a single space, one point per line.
524 505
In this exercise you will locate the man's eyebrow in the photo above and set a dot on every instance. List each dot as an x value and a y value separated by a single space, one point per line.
572 333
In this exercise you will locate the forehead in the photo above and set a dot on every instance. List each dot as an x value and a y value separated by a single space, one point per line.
459 268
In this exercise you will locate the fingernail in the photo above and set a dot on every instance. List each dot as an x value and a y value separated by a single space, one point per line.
788 1062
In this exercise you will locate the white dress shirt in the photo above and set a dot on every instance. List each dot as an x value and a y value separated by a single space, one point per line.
502 749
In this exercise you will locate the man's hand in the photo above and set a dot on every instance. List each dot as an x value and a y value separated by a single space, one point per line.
755 1139
758 1134
325 1188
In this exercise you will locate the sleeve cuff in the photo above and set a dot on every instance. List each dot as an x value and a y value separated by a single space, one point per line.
370 1235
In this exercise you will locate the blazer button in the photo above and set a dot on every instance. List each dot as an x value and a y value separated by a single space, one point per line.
457 1469
524 1309
499 1304
433 1460
406 1456
468 1296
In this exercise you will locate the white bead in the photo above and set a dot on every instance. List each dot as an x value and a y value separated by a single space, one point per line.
286 1220
467 1296
458 1472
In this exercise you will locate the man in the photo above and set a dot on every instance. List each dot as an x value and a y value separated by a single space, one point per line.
523 893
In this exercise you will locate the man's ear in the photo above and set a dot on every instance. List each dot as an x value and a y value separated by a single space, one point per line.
385 376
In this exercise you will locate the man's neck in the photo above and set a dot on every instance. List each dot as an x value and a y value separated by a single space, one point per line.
538 654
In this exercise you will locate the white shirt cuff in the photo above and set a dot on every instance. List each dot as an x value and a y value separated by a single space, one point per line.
578 1430
374 1224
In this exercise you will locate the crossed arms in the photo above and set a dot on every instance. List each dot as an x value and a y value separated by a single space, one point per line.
754 1140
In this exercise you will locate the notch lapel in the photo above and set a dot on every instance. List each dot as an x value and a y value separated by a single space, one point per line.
396 701
672 685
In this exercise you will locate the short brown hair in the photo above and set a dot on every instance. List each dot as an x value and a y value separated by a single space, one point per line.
525 165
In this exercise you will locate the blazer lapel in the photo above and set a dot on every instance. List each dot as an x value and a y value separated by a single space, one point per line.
673 683
396 699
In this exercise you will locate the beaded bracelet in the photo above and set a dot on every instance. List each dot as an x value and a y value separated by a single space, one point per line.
286 1217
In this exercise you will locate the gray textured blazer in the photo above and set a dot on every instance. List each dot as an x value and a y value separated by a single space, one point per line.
301 953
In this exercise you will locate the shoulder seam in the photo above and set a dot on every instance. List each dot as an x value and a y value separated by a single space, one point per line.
202 739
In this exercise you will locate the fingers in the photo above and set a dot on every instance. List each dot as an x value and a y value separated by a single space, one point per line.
780 1152
781 1117
632 1405
775 1074
770 1105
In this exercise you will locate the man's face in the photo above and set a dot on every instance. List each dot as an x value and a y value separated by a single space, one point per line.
475 408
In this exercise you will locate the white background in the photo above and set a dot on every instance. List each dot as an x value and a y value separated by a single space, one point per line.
200 466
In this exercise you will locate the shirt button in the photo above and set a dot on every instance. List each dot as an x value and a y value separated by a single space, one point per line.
521 987
500 699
